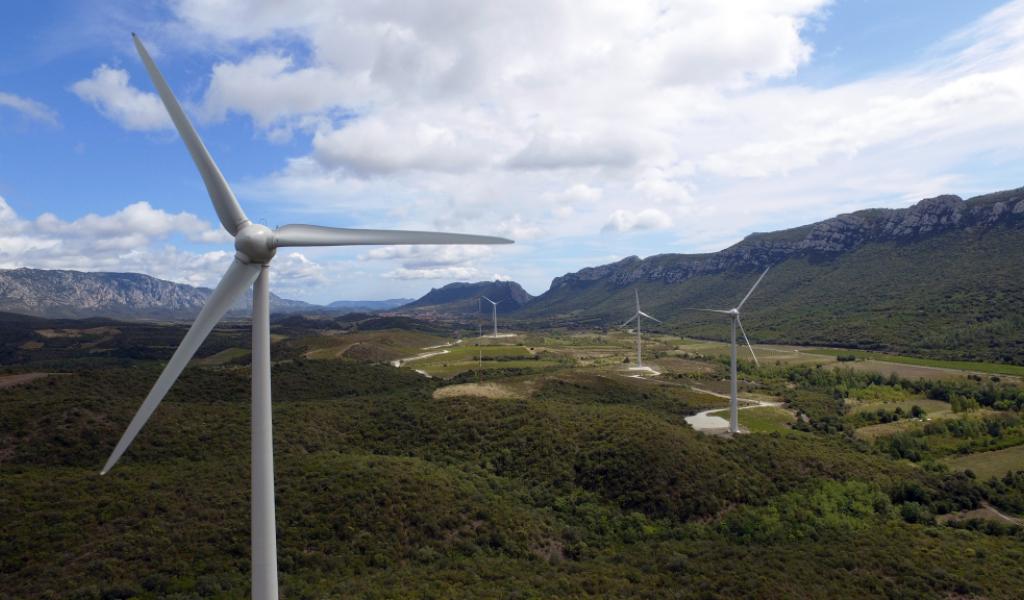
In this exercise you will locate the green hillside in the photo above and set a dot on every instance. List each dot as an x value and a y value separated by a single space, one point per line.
951 294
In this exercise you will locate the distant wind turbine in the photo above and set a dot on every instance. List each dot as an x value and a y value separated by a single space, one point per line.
639 315
494 312
734 313
255 246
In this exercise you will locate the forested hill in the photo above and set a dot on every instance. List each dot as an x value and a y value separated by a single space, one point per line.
942 278
460 298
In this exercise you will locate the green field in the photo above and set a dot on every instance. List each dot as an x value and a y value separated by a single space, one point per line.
462 358
959 365
989 464
764 419
222 357
932 408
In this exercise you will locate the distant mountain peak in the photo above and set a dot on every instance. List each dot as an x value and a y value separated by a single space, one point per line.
75 294
459 297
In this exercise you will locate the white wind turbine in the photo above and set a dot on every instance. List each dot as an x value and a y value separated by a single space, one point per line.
255 246
494 312
639 317
734 314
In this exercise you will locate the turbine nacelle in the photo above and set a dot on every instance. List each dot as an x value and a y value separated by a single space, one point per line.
256 243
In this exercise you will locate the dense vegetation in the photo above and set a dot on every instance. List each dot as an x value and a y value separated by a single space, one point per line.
585 485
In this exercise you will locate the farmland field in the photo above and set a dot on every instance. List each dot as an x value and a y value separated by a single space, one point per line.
957 365
990 464
764 419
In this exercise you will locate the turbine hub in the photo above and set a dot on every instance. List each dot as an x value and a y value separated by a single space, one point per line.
255 242
734 311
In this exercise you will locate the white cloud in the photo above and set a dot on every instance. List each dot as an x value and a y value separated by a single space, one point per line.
30 108
449 273
373 145
134 239
648 218
267 87
134 222
553 121
428 256
109 91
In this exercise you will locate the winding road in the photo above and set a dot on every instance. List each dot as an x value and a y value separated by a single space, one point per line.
704 420
402 361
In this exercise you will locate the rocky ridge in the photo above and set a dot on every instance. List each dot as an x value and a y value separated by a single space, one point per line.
843 233
70 294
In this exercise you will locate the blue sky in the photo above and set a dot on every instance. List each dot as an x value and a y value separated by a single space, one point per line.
586 132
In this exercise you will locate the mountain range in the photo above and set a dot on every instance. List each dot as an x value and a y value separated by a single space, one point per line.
76 294
362 305
942 278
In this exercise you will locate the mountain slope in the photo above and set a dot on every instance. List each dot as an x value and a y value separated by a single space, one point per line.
460 298
942 278
354 305
71 294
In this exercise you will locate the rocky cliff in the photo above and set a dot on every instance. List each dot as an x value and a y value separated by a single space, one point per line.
844 233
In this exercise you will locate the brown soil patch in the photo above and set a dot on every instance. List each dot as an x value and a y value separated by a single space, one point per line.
20 378
493 391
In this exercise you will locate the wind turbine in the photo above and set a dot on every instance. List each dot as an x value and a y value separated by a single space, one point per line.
255 246
494 312
638 316
734 314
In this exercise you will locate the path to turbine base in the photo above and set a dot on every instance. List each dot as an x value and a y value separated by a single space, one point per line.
705 421
402 361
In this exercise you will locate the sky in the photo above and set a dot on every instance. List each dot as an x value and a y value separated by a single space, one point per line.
586 131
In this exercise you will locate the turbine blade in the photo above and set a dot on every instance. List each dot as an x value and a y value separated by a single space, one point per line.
237 279
745 339
636 316
636 293
753 287
228 210
649 316
713 310
315 235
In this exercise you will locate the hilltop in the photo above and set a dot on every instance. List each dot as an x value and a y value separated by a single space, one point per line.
460 298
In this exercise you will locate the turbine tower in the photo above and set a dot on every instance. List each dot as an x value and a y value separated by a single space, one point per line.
639 317
494 312
734 314
255 246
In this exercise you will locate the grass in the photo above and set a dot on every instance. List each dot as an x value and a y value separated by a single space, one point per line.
932 408
224 356
466 358
989 464
448 369
873 432
764 419
959 365
374 346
